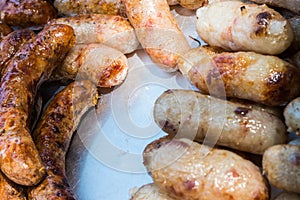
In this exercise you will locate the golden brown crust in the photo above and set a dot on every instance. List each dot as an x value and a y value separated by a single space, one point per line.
4 29
53 135
30 66
26 13
11 191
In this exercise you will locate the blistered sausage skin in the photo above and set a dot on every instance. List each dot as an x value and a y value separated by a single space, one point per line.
281 165
4 29
31 65
237 26
53 134
187 170
186 113
11 44
26 13
149 192
292 116
245 75
157 31
113 31
103 65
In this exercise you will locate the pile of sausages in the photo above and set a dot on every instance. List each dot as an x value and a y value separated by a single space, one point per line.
247 102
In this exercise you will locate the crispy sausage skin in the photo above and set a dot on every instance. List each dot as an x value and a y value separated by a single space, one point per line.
53 135
234 125
281 166
31 65
157 31
292 5
187 170
237 26
74 7
246 75
150 192
26 13
10 190
4 29
113 31
103 65
11 44
292 116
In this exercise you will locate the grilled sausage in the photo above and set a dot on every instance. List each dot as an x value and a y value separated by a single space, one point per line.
11 191
26 13
157 31
246 75
292 116
287 196
281 166
53 135
113 31
31 65
4 29
191 114
237 26
72 7
187 170
11 44
292 5
103 65
150 192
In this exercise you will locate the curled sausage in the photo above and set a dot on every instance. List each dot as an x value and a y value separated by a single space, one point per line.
246 75
26 13
53 134
31 65
281 166
157 31
103 65
188 170
292 116
149 192
194 115
113 31
4 29
238 26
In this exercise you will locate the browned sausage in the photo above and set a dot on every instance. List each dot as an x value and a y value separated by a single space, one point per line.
4 30
31 65
25 13
53 135
10 190
11 43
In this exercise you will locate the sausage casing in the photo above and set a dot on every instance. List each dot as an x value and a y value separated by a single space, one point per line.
157 31
281 166
103 65
53 134
26 13
197 116
237 26
190 171
246 75
31 65
113 31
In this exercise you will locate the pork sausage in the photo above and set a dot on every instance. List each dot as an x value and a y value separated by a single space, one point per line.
31 65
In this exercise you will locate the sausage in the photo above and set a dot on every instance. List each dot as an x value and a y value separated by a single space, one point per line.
11 44
237 26
9 190
53 134
193 4
291 115
4 29
187 113
72 7
31 65
103 65
26 13
246 75
292 5
113 31
157 31
281 166
188 170
150 192
287 196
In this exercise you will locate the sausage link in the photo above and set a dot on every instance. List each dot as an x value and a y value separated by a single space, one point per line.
31 65
113 31
10 190
53 135
246 75
230 124
238 26
26 13
157 31
103 65
4 29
